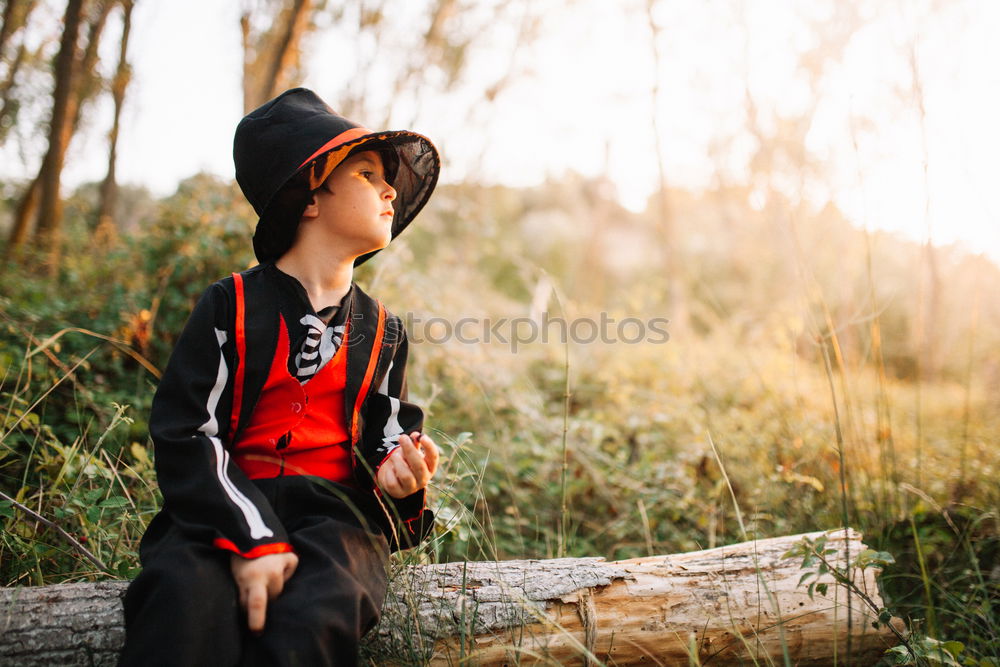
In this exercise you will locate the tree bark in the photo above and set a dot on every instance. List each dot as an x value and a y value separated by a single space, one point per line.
8 111
6 22
76 80
285 58
89 81
726 606
271 58
104 228
15 18
65 624
22 217
60 124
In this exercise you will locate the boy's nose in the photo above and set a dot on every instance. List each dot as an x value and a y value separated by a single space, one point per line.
390 192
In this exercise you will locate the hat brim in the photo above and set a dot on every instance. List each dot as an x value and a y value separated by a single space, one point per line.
419 166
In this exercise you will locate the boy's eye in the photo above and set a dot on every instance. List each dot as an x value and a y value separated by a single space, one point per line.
367 174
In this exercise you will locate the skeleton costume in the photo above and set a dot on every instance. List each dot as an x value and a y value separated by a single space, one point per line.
271 421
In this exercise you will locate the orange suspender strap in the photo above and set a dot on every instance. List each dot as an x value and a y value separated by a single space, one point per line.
241 348
372 362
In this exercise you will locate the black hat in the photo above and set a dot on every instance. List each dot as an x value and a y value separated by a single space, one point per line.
286 148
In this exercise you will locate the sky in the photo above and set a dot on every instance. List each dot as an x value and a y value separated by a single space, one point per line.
582 100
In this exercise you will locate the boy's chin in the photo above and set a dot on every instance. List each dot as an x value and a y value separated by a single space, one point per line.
377 245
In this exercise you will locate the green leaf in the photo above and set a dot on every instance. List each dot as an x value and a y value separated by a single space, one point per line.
898 655
939 652
953 647
863 558
141 455
796 551
114 502
822 588
884 558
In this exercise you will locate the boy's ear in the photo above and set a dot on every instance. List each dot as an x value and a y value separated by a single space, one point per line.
312 207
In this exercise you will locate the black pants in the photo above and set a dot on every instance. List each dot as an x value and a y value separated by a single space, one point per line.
183 609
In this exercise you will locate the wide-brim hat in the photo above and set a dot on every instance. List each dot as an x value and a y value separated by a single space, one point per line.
286 148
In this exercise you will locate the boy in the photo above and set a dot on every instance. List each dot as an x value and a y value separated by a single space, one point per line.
290 462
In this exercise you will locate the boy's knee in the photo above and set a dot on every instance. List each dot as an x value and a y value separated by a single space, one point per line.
168 607
205 572
191 579
326 633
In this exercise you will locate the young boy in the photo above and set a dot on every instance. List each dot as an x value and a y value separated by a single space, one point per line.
289 459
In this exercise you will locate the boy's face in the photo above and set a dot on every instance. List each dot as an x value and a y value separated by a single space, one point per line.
353 208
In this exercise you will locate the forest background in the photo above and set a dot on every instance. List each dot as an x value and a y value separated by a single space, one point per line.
817 372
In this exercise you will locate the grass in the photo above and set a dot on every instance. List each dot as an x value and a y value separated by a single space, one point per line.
778 444
558 450
650 482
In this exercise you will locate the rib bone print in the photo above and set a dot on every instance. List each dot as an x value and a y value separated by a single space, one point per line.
320 345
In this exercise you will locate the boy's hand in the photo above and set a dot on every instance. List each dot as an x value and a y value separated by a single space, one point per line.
410 466
259 580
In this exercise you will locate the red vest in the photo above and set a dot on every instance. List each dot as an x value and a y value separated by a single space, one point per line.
298 429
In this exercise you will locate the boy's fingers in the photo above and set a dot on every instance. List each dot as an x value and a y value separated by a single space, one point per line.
414 460
275 584
256 606
404 475
431 454
391 485
260 580
290 565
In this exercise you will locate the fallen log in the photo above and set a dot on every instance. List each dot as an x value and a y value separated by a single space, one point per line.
723 606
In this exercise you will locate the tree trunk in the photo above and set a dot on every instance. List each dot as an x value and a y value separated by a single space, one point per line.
730 606
76 80
270 59
15 18
50 204
285 58
23 216
65 624
88 80
104 229
8 111
6 23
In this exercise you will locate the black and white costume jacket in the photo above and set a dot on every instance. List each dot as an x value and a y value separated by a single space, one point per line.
193 422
